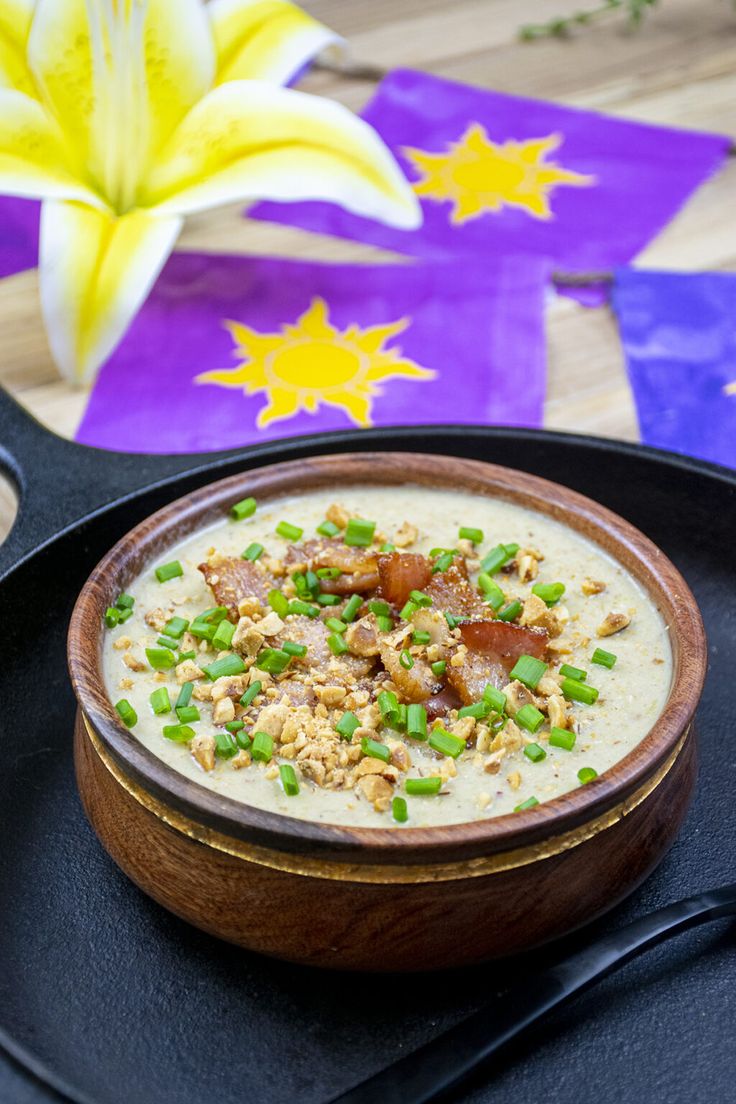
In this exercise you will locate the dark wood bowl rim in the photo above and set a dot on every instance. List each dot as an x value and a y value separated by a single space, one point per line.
149 541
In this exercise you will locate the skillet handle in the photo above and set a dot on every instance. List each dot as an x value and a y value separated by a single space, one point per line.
58 482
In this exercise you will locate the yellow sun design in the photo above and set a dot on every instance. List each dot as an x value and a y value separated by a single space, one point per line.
480 175
311 362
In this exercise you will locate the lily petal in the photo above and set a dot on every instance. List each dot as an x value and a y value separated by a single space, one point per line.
120 76
96 271
15 23
269 40
251 140
33 154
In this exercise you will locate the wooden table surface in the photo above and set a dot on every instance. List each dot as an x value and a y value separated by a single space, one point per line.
679 68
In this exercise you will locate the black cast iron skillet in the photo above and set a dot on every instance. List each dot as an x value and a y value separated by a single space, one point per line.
104 993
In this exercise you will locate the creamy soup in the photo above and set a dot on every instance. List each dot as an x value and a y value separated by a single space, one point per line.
387 657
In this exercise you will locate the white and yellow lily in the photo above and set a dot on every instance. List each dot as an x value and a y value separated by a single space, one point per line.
124 116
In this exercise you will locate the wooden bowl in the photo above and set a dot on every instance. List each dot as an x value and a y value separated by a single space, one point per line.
381 898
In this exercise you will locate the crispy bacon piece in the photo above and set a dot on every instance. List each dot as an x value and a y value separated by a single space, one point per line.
314 633
439 705
232 579
471 678
414 685
503 641
400 574
358 565
451 593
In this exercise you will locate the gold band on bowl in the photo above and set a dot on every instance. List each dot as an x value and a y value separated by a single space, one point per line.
357 872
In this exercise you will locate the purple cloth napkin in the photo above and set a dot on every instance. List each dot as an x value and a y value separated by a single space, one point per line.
500 174
679 336
229 351
18 234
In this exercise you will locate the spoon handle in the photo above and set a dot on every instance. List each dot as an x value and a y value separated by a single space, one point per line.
445 1061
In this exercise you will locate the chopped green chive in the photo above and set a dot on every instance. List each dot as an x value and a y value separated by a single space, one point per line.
127 713
347 725
328 573
328 529
112 616
186 655
243 509
352 606
203 630
550 593
273 661
492 592
451 621
224 635
160 701
535 753
418 786
446 743
380 608
388 547
512 610
374 750
124 601
303 609
359 532
416 722
443 562
225 745
161 659
176 627
561 738
576 673
187 714
408 610
579 691
278 602
399 810
587 774
293 649
385 624
235 726
406 660
213 616
289 532
495 698
168 642
337 644
439 668
185 695
497 557
477 709
389 706
253 552
242 739
252 692
262 749
528 804
603 658
528 670
179 733
169 571
228 665
529 718
328 599
419 637
403 715
289 780
124 615
335 624
420 599
474 535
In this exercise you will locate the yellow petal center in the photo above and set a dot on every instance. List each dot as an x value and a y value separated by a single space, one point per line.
315 364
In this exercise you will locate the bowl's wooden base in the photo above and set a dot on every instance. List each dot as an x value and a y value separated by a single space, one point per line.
359 925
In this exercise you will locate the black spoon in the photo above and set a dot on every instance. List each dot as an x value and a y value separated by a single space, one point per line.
447 1060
